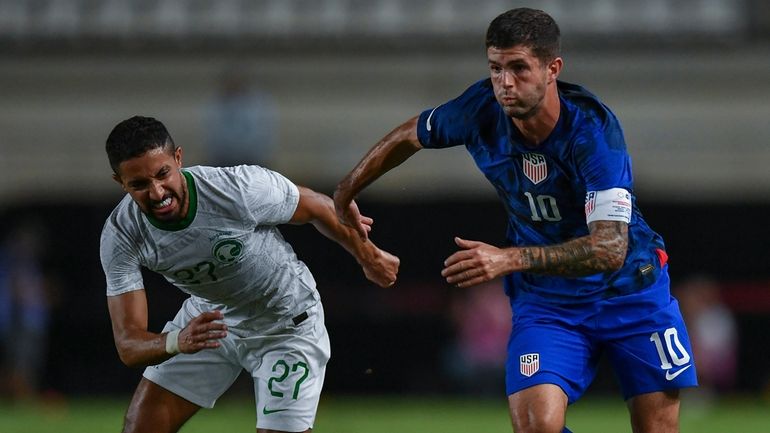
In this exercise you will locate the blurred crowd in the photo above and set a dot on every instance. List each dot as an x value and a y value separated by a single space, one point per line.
27 295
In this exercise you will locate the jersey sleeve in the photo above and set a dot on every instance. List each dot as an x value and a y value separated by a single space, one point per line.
120 261
270 197
454 122
601 156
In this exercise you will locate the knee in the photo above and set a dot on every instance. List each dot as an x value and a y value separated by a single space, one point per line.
533 421
539 409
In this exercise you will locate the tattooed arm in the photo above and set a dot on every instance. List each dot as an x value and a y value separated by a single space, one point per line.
602 250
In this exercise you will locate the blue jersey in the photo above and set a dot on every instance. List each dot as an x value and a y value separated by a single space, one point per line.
546 189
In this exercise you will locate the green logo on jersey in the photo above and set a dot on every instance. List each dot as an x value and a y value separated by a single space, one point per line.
227 250
267 411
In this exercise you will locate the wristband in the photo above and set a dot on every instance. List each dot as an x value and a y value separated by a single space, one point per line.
172 342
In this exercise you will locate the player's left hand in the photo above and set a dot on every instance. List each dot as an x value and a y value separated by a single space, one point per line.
202 332
475 263
381 267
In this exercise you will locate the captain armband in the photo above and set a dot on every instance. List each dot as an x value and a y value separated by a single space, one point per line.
172 342
609 205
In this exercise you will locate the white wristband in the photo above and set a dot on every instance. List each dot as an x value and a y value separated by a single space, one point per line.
172 342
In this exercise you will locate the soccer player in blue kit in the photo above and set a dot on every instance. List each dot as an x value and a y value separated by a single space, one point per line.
584 272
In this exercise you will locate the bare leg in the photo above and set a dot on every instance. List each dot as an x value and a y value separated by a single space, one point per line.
157 410
656 412
539 409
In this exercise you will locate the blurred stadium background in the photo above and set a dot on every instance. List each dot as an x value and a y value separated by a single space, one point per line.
315 83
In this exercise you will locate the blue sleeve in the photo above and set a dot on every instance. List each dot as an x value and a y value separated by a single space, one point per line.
453 123
601 155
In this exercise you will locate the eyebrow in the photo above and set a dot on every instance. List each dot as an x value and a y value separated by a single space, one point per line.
516 60
138 182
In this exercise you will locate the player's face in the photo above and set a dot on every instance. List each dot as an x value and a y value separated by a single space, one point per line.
520 80
155 182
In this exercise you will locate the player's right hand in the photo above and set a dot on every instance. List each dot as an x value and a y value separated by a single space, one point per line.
349 215
202 332
475 263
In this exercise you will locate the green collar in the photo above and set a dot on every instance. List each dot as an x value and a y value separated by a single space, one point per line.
192 209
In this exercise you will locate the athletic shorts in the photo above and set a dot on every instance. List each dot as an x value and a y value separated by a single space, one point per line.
642 333
287 367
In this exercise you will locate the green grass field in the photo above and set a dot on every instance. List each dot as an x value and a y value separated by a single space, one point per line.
382 415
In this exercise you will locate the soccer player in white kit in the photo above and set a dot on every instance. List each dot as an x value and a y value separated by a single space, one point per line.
253 304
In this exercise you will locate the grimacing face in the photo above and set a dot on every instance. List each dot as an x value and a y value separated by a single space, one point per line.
155 182
519 80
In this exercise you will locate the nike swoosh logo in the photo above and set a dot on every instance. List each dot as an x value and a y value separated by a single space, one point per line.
427 122
673 376
267 411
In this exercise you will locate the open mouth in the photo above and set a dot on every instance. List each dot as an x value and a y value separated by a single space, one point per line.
162 204
163 209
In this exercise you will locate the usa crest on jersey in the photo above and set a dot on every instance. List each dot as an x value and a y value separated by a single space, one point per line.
529 364
535 167
590 202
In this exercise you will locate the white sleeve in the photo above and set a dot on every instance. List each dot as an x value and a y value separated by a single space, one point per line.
121 266
270 197
608 205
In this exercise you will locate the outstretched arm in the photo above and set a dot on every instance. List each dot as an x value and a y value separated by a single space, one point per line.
388 153
138 347
379 266
602 250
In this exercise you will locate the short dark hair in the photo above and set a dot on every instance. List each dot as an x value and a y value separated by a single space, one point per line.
529 27
135 136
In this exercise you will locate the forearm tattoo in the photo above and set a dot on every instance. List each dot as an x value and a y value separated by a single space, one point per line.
604 249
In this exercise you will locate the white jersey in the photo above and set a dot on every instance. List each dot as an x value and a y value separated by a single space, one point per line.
227 253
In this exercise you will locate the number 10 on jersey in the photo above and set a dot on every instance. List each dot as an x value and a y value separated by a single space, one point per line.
543 207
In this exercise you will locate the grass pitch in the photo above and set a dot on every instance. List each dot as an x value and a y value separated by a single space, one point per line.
367 414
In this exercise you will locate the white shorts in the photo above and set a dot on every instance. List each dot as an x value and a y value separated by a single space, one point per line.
287 366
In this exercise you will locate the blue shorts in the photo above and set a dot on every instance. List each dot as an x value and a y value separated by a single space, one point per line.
643 334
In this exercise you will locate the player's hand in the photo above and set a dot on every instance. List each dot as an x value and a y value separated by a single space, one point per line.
475 263
349 215
202 332
382 268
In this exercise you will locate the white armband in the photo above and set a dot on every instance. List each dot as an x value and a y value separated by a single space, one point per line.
609 205
172 342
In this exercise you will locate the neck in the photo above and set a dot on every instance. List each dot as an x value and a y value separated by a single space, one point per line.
186 193
537 128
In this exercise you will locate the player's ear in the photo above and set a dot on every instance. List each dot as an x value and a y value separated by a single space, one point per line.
117 179
178 156
554 68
